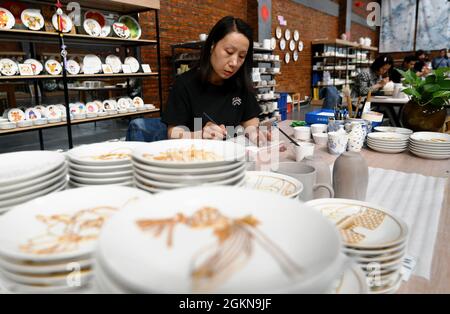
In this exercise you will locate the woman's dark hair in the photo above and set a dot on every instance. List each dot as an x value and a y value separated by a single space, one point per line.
419 53
381 61
222 28
408 59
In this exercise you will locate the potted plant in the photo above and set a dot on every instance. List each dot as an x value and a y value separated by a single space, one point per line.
427 109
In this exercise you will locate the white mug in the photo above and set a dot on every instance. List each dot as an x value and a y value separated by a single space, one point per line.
203 37
302 133
303 150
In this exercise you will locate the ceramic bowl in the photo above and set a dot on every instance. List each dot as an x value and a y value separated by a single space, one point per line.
320 139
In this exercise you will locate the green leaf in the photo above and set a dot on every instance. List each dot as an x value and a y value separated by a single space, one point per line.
444 84
438 102
431 88
441 71
411 91
445 94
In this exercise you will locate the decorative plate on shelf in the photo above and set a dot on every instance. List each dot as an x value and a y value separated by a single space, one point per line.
53 67
66 22
278 32
138 102
133 63
16 115
73 67
54 112
287 57
32 114
273 43
121 30
123 104
295 56
92 27
115 63
7 20
91 107
77 108
296 35
133 26
287 34
35 65
32 19
42 110
106 30
109 104
282 44
92 64
292 45
97 16
300 46
8 67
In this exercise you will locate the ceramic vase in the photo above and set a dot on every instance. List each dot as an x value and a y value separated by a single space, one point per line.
350 176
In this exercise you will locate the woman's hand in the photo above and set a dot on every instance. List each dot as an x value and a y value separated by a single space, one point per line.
213 131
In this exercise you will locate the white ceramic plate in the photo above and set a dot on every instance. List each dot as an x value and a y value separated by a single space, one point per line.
300 46
287 57
138 102
189 178
35 65
100 175
32 114
66 21
92 27
115 63
292 45
8 67
36 268
388 144
379 259
74 184
217 153
363 225
316 249
77 108
100 181
91 205
92 64
376 252
133 63
388 137
53 112
353 281
22 166
109 104
296 35
429 156
16 115
52 280
273 43
101 169
108 154
295 56
123 104
7 19
274 183
131 23
32 19
387 150
282 44
432 138
393 130
121 30
287 34
278 32
423 149
53 67
73 67
91 107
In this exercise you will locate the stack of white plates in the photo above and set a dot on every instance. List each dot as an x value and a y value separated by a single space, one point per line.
392 129
352 281
374 237
102 164
172 164
430 145
212 239
273 182
46 245
27 175
387 142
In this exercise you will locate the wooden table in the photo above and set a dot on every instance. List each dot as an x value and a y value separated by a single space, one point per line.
406 162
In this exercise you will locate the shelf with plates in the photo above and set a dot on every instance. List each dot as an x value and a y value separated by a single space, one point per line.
80 121
76 39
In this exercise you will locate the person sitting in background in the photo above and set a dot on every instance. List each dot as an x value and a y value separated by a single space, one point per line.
372 79
408 64
442 61
420 67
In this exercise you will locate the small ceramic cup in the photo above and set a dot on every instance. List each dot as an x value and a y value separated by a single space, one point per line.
319 128
337 142
303 150
302 133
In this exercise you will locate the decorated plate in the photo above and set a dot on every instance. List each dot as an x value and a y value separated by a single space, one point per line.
296 35
287 34
78 108
53 112
92 64
97 16
273 43
106 31
42 110
92 27
121 30
282 44
110 104
138 102
300 46
115 63
91 107
32 114
133 26
8 67
53 67
32 19
292 45
16 115
133 63
287 57
7 20
123 104
274 183
278 32
66 22
35 65
295 56
73 67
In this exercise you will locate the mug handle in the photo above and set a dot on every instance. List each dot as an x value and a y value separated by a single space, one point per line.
326 186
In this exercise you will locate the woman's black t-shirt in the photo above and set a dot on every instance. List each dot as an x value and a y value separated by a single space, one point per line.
225 104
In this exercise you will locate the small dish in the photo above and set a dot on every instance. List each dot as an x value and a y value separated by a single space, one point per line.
133 63
15 115
79 116
138 102
121 30
32 114
278 32
53 112
109 105
7 20
32 19
115 63
91 108
92 27
296 35
91 115
53 67
97 16
133 26
66 23
8 67
73 67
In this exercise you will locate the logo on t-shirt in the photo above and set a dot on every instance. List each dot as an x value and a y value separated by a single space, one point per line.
236 101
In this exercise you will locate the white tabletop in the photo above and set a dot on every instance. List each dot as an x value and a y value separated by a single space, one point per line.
388 100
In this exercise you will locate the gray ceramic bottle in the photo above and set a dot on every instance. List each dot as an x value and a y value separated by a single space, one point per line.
350 176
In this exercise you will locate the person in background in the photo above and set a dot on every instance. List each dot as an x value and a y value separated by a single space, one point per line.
421 67
373 79
408 64
442 61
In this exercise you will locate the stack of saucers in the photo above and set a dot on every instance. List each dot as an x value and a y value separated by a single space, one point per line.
387 142
173 164
102 164
273 182
46 245
27 175
374 237
430 145
391 129
214 240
